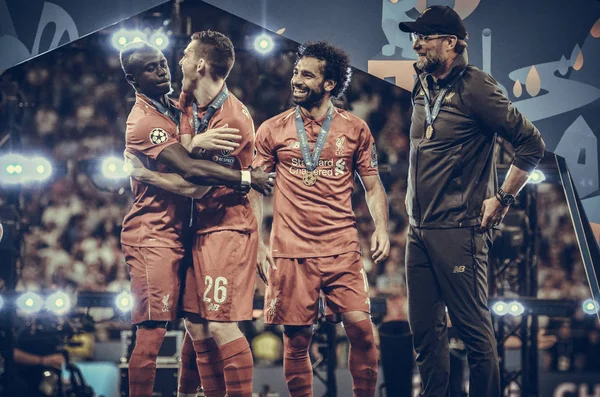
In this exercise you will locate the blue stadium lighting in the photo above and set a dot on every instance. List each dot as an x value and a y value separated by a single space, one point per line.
124 302
536 177
30 303
500 308
590 306
11 168
159 40
39 169
120 38
123 37
16 168
263 44
58 303
113 167
515 308
138 36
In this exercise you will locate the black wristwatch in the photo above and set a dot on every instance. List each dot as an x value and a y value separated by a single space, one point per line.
505 199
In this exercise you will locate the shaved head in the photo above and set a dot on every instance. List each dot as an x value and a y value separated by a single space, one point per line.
130 54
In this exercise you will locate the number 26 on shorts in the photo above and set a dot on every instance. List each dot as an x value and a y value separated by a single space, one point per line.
219 291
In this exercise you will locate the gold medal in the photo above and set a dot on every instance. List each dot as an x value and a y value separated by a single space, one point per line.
429 131
310 178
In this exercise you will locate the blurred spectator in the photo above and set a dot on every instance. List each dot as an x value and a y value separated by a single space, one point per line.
73 107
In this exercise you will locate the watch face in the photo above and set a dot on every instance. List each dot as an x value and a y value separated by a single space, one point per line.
508 199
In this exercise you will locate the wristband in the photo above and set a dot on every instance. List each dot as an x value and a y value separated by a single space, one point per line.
246 178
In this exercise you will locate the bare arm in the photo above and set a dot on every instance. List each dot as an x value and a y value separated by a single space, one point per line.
264 259
492 210
171 182
204 172
515 180
377 202
200 172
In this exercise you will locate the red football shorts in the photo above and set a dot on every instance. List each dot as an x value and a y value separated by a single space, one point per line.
292 296
155 282
220 285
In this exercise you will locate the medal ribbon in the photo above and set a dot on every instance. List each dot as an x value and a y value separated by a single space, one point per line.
430 116
311 162
202 125
168 111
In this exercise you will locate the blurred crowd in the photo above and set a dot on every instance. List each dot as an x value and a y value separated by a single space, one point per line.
73 104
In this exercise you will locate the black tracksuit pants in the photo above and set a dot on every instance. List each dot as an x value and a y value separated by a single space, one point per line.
448 268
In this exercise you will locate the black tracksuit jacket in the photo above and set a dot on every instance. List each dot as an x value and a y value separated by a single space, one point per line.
453 172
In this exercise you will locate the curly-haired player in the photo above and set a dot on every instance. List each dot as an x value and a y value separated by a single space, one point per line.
316 149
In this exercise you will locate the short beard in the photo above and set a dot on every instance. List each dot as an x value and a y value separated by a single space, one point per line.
432 61
316 98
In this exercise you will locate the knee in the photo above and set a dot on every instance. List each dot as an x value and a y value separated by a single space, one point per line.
427 334
360 334
197 328
296 340
220 330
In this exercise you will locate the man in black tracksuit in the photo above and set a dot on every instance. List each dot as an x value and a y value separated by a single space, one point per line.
453 199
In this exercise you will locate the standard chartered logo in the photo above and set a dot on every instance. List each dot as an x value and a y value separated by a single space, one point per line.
326 167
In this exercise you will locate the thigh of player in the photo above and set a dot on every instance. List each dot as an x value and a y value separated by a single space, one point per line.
292 296
345 283
224 272
155 282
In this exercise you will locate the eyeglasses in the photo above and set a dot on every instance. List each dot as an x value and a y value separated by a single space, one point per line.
425 38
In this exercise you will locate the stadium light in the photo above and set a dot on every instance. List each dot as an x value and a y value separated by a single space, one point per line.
263 44
536 177
516 308
500 308
30 303
124 302
159 40
11 168
590 306
39 169
113 167
120 38
58 303
19 169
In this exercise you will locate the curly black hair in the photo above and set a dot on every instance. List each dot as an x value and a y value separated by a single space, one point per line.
337 63
218 51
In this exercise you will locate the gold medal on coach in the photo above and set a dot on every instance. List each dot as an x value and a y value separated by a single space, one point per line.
431 114
429 131
310 178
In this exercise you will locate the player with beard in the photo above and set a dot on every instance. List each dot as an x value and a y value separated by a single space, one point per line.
153 230
453 199
315 150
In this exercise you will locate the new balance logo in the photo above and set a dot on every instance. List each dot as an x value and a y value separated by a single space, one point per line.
340 166
459 269
213 307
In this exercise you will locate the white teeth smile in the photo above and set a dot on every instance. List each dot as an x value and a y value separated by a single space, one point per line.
299 91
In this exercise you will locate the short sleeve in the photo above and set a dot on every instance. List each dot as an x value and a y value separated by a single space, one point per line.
365 158
263 153
150 136
244 123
